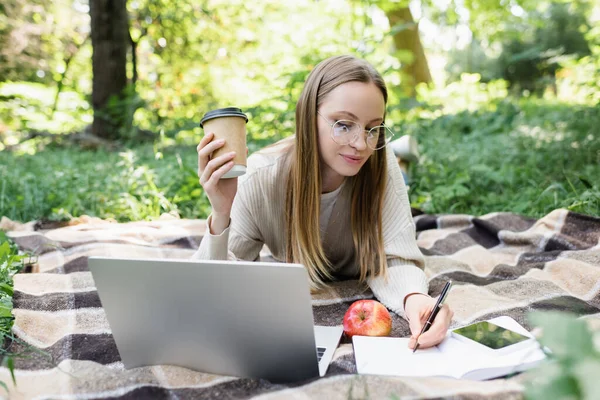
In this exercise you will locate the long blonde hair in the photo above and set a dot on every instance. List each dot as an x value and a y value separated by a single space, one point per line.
303 194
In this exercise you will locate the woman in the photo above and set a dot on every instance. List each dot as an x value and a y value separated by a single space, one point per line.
331 197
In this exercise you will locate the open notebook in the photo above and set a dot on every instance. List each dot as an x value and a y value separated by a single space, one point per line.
451 358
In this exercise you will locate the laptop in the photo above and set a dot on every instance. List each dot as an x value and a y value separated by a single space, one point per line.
237 318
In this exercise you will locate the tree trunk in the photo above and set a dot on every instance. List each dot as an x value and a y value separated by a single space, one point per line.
134 46
110 41
416 71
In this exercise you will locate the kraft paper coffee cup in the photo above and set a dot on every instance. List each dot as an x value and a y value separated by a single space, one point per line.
229 124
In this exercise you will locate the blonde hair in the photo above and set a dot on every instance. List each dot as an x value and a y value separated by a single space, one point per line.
303 194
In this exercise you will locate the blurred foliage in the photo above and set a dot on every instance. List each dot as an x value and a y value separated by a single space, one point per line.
192 56
530 63
27 106
578 80
573 365
472 60
531 51
11 262
39 37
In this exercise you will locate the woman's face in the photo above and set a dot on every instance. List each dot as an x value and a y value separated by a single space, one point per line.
355 101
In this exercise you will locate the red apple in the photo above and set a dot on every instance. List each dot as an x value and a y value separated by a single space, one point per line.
367 318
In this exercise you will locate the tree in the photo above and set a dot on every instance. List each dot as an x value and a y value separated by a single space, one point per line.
406 37
110 41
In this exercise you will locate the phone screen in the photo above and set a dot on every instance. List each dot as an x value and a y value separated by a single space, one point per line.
490 335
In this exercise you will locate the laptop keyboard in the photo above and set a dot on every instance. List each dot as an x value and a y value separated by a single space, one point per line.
320 352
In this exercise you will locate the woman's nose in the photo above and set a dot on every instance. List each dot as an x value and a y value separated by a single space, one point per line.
360 141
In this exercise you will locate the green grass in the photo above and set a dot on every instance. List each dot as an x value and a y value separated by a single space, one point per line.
528 157
130 185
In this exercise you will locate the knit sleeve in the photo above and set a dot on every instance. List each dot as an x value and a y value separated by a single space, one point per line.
405 261
242 239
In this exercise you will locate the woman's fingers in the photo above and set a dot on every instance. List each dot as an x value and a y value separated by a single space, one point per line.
204 141
412 342
205 148
214 178
205 153
437 332
211 169
416 325
215 165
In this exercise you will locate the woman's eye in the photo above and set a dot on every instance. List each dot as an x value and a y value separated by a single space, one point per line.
344 126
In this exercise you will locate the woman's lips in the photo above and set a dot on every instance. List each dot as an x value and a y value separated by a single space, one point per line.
352 159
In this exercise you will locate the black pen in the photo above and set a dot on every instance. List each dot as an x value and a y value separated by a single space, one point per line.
435 311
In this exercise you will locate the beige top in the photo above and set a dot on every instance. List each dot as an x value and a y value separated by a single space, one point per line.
257 218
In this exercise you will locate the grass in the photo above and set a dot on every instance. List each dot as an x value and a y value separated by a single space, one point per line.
528 156
135 184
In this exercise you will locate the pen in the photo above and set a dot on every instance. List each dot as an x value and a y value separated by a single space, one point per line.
438 306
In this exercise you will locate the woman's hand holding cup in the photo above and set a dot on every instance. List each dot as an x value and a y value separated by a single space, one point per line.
221 159
220 192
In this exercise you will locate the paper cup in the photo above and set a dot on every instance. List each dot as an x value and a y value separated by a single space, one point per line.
229 124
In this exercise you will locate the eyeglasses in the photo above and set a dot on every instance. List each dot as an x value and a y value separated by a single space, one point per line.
344 132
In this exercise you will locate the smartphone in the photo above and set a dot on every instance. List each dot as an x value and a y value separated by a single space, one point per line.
492 337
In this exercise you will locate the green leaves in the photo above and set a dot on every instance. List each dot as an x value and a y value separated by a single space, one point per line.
5 308
6 289
567 337
550 383
11 262
587 373
573 365
10 363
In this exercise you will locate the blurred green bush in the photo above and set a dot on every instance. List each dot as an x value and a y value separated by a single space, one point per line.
533 51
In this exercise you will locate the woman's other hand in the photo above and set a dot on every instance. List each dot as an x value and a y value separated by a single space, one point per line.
417 309
220 192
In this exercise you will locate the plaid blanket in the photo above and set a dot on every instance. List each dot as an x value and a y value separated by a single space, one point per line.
501 263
